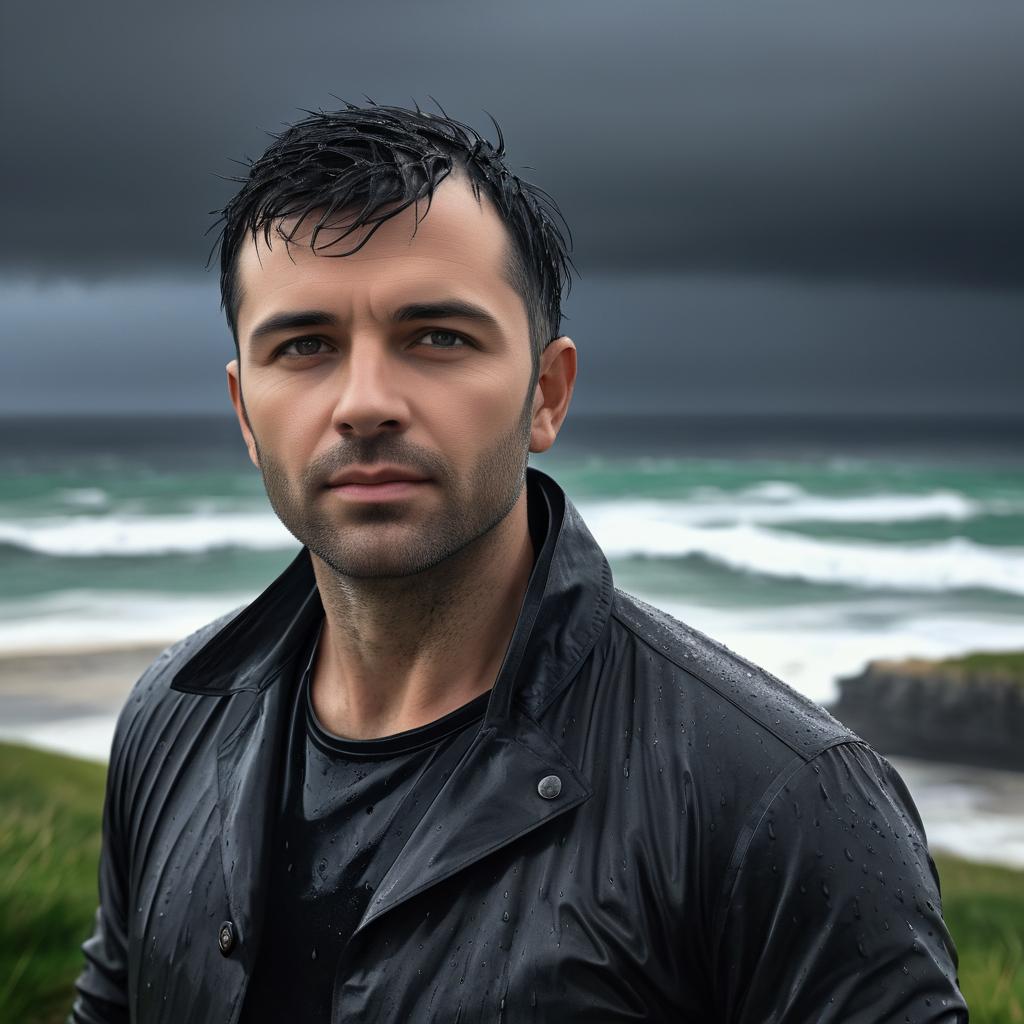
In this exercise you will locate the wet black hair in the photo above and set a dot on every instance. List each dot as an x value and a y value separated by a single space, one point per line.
372 162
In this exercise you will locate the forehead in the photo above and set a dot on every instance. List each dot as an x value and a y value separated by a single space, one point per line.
459 246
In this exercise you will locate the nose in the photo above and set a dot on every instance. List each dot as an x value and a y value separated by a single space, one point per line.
369 397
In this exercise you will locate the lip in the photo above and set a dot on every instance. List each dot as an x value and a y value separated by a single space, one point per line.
375 477
382 483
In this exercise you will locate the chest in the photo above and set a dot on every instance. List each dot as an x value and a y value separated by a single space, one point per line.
557 927
562 924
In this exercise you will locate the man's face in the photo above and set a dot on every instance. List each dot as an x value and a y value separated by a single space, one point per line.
389 435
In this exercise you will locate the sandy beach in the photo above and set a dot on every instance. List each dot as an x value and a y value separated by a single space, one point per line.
68 701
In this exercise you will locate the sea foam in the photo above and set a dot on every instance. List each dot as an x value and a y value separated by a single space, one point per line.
744 532
665 530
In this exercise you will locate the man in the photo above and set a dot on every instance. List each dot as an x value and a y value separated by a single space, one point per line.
441 770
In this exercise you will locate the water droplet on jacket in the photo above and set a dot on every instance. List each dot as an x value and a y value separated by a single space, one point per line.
313 954
771 830
849 856
505 916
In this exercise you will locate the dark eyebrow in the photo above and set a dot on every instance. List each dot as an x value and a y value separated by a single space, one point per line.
289 321
440 310
444 309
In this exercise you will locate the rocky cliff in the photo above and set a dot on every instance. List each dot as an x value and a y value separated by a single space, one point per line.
968 710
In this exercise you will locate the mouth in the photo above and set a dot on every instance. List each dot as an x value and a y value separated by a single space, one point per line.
381 483
388 490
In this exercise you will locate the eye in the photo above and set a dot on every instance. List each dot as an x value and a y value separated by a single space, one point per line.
442 339
302 347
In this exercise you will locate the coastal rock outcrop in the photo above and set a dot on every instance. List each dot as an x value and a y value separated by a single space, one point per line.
968 710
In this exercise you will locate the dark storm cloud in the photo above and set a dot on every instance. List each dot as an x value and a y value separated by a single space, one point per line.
873 141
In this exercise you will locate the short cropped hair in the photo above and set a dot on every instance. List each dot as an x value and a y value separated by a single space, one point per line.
373 162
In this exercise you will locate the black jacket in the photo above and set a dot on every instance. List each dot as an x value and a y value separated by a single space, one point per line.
720 850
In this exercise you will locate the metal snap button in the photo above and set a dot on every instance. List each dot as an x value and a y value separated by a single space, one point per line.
549 787
226 937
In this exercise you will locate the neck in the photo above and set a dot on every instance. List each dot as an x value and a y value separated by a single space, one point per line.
396 654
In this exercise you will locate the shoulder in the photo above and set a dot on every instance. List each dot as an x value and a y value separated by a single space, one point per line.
151 700
747 757
840 851
707 673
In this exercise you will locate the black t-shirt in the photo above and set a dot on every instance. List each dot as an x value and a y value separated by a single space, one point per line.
338 799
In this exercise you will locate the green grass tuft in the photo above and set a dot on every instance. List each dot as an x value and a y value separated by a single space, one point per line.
1004 668
983 906
1008 663
49 850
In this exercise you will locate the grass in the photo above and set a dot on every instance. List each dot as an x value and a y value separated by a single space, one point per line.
1002 666
49 847
1009 663
983 907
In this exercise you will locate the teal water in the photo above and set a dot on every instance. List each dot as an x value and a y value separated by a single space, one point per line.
808 561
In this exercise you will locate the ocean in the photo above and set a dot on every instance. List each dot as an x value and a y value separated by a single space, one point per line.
809 545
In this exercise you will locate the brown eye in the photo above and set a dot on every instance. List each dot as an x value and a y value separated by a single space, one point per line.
302 347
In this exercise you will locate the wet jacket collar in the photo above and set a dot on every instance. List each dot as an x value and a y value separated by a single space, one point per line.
564 611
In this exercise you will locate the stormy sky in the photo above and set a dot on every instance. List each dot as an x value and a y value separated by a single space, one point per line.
777 207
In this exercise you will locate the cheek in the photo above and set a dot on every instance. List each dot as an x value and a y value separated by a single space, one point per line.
474 411
283 423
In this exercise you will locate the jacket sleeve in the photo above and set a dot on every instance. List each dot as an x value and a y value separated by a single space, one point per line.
833 911
102 986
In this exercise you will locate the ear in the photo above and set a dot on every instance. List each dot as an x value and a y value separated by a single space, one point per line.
553 392
235 391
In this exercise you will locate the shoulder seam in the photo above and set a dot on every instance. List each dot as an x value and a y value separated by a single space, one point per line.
690 670
752 823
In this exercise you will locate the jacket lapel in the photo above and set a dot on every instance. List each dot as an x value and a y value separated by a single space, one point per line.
258 647
247 772
490 800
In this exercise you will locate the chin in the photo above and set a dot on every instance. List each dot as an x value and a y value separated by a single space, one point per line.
393 559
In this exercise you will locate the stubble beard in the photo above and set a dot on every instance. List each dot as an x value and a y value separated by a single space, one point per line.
376 549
